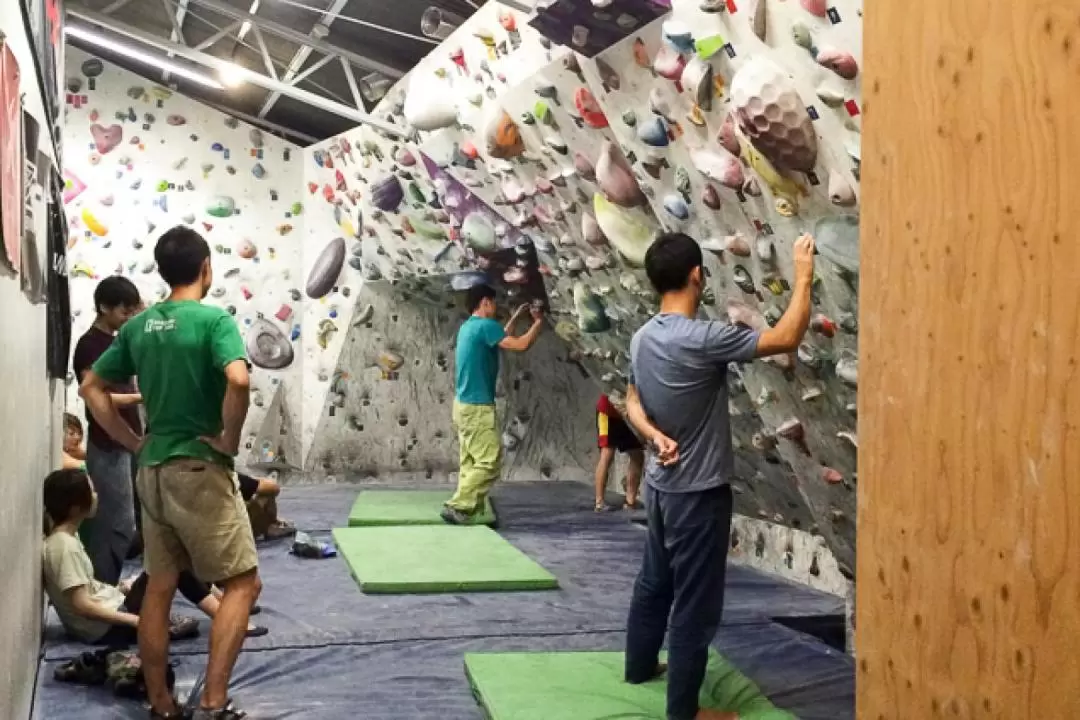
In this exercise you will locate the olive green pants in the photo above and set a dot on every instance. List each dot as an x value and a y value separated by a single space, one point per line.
481 455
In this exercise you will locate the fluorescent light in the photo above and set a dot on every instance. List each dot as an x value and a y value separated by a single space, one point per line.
158 62
246 27
233 75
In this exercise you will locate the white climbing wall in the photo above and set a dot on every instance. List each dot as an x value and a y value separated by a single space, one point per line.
140 160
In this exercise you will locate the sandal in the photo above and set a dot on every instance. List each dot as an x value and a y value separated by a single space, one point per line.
280 529
257 631
602 507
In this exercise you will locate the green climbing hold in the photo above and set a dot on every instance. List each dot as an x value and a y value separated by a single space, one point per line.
296 208
222 206
162 185
706 47
426 228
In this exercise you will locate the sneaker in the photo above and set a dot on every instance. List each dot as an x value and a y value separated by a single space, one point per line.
257 631
280 529
229 712
182 627
453 516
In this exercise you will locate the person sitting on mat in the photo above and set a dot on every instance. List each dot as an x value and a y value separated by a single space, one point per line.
74 456
614 435
261 495
477 369
90 610
678 400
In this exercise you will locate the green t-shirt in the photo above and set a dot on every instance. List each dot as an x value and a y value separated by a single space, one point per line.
178 351
477 360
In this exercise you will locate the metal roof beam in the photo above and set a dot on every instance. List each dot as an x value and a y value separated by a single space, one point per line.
225 66
300 38
302 53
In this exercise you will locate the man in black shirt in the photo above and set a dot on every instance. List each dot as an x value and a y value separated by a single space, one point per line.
108 535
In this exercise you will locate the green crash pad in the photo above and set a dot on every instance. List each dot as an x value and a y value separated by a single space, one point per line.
406 507
589 686
437 558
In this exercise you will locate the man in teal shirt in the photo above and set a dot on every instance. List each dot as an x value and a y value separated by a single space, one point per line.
477 369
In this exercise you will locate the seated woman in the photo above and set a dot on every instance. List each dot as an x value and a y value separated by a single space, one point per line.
90 610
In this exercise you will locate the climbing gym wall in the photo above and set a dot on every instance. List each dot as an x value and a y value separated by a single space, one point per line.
141 160
969 507
548 173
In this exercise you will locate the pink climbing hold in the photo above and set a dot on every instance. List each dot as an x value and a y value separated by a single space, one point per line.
106 138
710 197
726 136
822 325
817 8
840 62
831 476
246 292
284 313
616 179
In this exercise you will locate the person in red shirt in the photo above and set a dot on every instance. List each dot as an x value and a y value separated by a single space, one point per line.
613 434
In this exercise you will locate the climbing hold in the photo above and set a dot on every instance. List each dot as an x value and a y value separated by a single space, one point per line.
591 231
743 279
246 249
547 91
831 476
296 208
326 269
478 232
74 85
837 240
616 179
464 280
817 8
710 197
628 230
654 132
759 19
669 64
847 367
682 182
783 206
258 171
840 62
771 114
589 109
92 68
73 186
556 143
256 137
176 120
590 310
697 78
792 429
387 193
678 35
676 207
609 78
221 206
737 245
188 218
584 167
840 192
719 166
267 347
800 34
405 158
106 138
502 136
327 328
830 96
93 224
162 203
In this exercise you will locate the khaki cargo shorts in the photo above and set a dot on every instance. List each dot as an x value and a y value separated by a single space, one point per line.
195 519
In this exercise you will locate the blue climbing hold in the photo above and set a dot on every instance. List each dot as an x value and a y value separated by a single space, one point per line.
217 147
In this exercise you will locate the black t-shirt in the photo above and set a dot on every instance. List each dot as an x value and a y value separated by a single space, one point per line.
248 486
90 347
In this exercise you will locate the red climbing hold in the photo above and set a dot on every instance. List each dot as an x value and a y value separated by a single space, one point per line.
589 109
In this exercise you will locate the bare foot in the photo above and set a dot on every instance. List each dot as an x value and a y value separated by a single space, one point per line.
706 714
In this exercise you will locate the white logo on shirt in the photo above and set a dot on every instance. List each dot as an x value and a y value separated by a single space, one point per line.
153 325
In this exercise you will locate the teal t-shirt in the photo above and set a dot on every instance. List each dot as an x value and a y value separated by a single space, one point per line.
477 360
179 351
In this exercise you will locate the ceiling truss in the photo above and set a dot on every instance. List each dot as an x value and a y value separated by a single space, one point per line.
271 81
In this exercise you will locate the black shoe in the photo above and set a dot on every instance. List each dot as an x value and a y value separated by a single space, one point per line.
229 712
255 610
257 631
453 516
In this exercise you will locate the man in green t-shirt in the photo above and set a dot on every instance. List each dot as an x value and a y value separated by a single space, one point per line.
477 368
191 368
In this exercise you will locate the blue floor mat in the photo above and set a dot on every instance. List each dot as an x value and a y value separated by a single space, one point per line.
326 637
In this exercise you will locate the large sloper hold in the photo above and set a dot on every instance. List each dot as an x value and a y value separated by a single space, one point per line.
773 117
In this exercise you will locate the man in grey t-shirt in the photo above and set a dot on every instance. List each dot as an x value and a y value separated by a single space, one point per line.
678 401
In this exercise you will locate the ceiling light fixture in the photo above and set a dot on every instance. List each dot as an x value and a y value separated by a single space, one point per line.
119 48
233 75
246 27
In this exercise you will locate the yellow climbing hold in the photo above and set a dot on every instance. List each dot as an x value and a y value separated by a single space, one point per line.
93 224
781 186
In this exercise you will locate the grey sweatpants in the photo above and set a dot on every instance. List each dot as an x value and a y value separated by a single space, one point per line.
109 533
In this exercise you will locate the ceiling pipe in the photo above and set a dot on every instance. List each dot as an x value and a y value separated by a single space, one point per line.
225 66
437 23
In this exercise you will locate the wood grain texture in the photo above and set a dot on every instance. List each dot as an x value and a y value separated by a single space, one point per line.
969 393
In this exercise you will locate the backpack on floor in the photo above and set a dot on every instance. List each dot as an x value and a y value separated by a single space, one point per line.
121 670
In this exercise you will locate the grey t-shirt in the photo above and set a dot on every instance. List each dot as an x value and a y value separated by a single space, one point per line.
679 367
66 565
